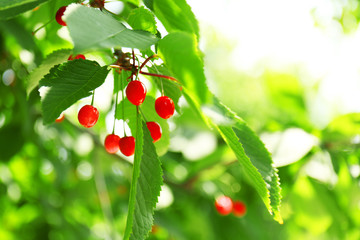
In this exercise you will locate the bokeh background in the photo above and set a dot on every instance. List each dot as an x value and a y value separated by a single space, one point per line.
289 68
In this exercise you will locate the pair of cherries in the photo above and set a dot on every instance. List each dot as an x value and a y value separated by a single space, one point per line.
126 145
136 93
225 205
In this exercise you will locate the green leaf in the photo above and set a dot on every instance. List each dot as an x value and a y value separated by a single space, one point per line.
250 151
176 15
91 29
145 186
149 4
128 110
68 83
171 88
51 60
120 80
182 57
11 140
142 19
10 9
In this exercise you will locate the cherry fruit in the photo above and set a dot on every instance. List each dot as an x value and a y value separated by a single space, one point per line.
164 107
59 15
155 130
224 205
79 56
112 143
127 145
136 92
88 116
239 208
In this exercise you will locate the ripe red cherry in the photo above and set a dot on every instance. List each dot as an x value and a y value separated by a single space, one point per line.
136 92
88 116
164 107
59 15
60 118
127 145
112 143
224 205
239 208
76 57
155 130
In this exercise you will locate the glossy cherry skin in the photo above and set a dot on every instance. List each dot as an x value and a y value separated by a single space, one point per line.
136 92
155 130
79 56
112 143
164 107
239 208
127 145
224 205
60 118
88 116
59 15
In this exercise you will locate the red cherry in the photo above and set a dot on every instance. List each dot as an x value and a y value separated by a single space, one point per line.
136 92
59 15
112 143
76 57
127 145
60 118
88 116
239 208
164 107
224 205
155 130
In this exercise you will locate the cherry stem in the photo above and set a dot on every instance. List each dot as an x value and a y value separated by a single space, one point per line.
146 60
92 99
161 76
116 103
142 113
122 104
36 30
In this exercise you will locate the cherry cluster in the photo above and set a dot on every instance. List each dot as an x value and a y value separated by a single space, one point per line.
225 205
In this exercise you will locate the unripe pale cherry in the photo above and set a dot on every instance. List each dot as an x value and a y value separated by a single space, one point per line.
239 208
164 107
88 116
155 130
136 92
127 145
112 143
224 205
59 15
60 118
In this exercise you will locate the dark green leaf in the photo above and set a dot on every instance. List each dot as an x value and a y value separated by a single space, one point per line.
181 56
142 19
176 15
92 29
10 9
51 60
68 83
145 186
11 141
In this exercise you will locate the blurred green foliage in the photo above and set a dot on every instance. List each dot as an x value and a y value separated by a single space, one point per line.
57 182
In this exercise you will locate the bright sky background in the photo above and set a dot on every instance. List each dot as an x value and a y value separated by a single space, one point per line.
284 35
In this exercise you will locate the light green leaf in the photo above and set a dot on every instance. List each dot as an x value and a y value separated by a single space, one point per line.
176 15
92 29
68 83
145 186
182 57
12 8
250 150
51 60
148 109
142 19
